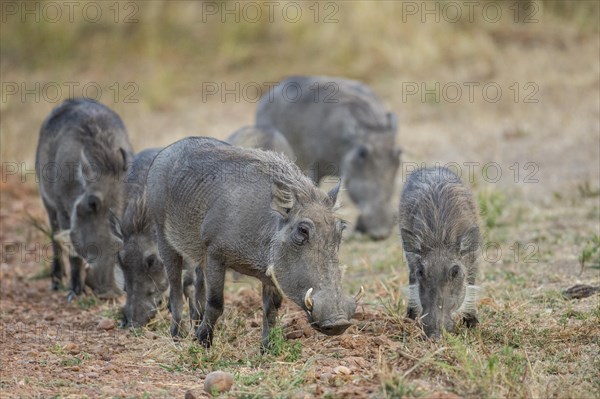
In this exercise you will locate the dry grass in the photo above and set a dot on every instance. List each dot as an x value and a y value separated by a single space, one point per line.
531 342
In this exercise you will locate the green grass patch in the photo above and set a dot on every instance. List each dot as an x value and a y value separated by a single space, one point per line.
590 253
282 348
87 302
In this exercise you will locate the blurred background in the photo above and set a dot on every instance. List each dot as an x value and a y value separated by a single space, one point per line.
510 81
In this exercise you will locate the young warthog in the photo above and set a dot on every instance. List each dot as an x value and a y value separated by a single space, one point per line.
255 212
439 226
145 279
338 127
81 159
144 276
263 137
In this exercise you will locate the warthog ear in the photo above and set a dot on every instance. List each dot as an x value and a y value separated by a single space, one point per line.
282 200
398 153
119 277
115 226
392 121
468 242
410 242
333 193
84 167
125 157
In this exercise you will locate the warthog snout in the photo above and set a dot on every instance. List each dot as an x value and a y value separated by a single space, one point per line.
330 316
336 328
137 320
376 233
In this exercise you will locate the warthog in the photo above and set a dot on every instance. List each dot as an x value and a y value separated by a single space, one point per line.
263 137
339 127
81 158
255 212
439 226
144 276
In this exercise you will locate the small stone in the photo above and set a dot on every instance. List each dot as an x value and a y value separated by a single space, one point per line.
92 375
294 334
342 370
48 316
325 377
71 348
254 323
359 316
108 368
106 324
218 382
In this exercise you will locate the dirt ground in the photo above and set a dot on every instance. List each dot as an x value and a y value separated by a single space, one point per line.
541 216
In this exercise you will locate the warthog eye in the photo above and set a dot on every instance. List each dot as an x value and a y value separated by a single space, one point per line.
343 225
454 271
301 234
150 261
420 272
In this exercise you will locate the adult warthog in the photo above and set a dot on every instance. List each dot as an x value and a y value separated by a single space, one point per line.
338 127
255 212
81 159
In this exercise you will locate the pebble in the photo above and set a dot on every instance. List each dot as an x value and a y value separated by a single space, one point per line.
254 323
308 331
106 324
342 370
71 348
294 334
218 381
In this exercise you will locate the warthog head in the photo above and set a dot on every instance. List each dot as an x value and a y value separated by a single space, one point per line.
144 276
369 171
305 257
441 294
100 173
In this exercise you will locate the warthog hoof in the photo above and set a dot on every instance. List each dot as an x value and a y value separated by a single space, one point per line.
470 320
412 313
204 337
56 285
71 296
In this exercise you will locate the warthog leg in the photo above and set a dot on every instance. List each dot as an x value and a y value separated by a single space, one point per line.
58 269
215 281
77 277
173 264
197 303
271 304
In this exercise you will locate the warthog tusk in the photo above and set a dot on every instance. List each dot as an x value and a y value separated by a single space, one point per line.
308 299
414 299
361 293
469 304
